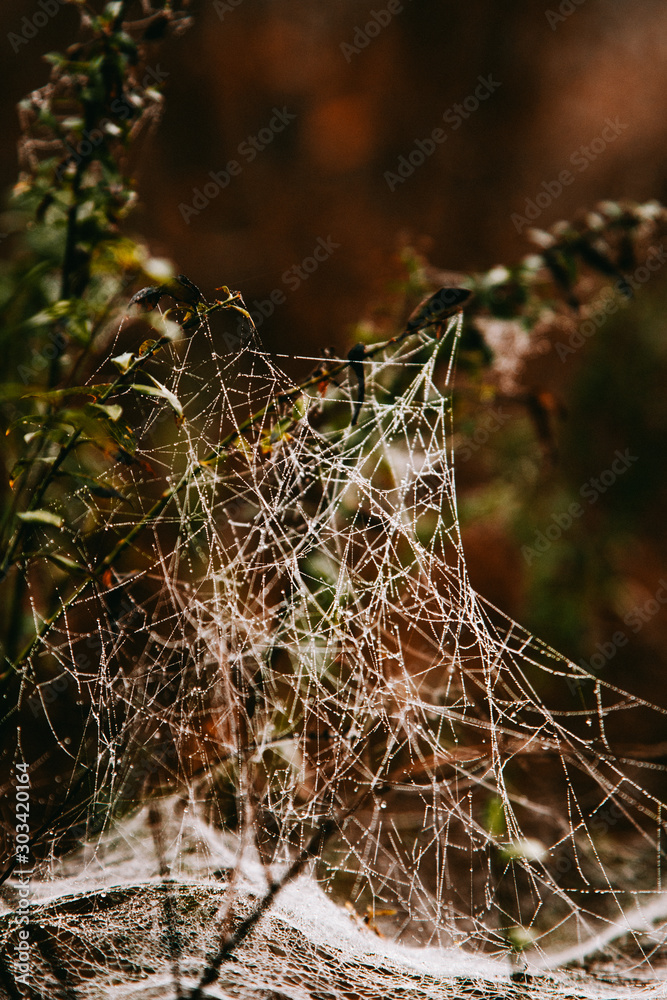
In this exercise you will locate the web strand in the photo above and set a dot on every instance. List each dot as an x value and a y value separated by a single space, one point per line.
299 621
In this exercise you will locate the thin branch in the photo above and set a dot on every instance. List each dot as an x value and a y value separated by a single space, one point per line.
38 495
233 939
234 301
173 937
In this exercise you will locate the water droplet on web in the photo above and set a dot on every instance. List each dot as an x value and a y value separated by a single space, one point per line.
355 672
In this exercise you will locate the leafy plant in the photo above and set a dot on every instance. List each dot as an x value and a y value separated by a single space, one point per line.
62 294
219 580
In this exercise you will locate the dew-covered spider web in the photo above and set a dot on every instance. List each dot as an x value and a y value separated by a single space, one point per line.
292 639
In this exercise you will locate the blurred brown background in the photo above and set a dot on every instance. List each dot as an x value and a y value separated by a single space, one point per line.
557 78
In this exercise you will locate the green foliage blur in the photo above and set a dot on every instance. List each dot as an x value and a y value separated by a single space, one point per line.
74 487
62 292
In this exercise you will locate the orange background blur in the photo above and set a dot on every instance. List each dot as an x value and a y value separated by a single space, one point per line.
558 78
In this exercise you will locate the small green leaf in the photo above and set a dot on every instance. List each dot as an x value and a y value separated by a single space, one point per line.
25 463
124 361
103 490
55 433
157 389
122 435
73 122
55 395
55 58
15 390
64 562
58 310
41 517
111 410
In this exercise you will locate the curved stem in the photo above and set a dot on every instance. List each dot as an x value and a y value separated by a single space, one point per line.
190 475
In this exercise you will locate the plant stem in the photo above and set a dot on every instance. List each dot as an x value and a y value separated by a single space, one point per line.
191 474
38 495
232 939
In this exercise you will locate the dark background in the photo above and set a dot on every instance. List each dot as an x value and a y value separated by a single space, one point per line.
323 177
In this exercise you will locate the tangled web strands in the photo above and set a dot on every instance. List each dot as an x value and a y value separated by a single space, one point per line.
302 637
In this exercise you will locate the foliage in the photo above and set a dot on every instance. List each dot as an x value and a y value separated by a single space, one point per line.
72 266
73 463
92 398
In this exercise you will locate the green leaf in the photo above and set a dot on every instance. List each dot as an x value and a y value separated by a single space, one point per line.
64 562
124 361
55 58
41 517
75 311
16 390
25 463
97 489
112 411
122 435
55 395
157 389
73 122
58 310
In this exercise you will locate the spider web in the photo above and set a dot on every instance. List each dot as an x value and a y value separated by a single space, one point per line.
294 638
